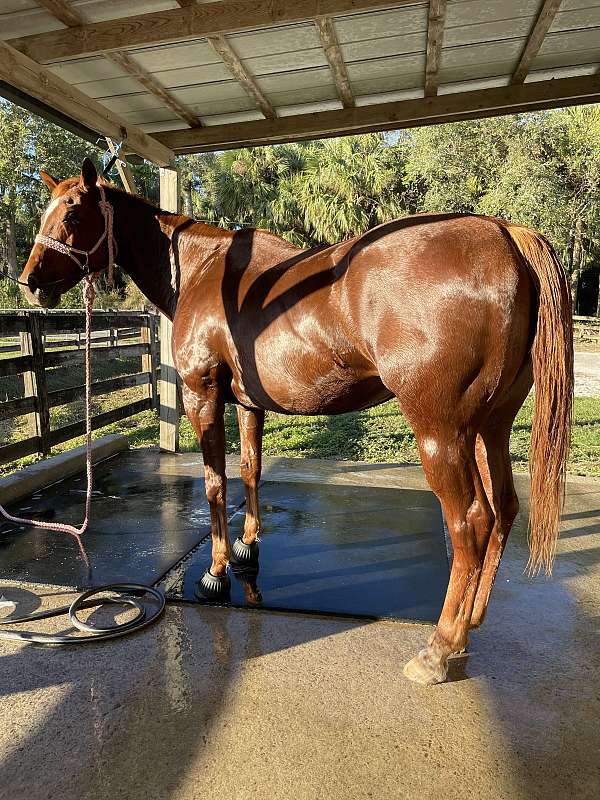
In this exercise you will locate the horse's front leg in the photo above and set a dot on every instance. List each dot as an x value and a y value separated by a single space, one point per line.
251 423
206 413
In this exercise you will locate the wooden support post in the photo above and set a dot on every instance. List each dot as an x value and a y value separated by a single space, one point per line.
170 407
150 362
35 380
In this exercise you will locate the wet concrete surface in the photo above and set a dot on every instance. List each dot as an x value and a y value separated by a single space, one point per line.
149 509
221 702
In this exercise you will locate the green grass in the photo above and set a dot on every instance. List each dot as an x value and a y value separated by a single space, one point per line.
378 435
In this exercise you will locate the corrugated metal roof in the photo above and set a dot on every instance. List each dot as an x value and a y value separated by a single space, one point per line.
384 52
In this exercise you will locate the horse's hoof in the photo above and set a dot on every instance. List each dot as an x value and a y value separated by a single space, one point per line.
214 586
245 553
426 669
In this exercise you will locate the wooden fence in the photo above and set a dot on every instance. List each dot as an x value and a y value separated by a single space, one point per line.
586 330
43 340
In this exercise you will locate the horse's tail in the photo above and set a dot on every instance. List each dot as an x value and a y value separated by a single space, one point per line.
552 356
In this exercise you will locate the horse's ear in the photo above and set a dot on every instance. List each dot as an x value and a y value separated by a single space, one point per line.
89 176
50 182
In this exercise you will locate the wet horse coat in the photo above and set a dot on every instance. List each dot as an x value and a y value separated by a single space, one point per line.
454 315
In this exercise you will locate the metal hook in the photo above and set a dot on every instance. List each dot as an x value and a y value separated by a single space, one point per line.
113 157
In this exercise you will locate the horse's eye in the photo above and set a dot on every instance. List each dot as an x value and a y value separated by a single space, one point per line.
70 201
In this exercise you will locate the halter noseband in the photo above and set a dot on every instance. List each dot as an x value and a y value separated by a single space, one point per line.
74 252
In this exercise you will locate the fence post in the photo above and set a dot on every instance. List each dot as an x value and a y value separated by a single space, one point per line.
150 360
170 410
34 380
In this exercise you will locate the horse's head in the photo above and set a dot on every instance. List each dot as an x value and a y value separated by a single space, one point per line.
73 239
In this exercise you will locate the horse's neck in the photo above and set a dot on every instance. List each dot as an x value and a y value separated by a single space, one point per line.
145 236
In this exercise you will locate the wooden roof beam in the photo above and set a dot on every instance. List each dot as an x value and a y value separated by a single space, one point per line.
231 60
389 116
535 40
333 52
233 63
62 12
182 24
435 38
71 18
38 82
149 82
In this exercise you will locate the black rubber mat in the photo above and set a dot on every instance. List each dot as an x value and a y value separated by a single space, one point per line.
350 550
149 509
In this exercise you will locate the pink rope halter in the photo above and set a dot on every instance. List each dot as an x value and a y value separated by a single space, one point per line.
89 294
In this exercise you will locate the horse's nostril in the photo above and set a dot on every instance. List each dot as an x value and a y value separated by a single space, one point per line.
33 284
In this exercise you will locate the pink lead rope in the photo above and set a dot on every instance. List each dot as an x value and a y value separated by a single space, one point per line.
89 294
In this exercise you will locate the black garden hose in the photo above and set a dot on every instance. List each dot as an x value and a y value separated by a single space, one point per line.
88 599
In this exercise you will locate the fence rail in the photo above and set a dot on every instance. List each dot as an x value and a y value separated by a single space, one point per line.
586 330
73 339
46 340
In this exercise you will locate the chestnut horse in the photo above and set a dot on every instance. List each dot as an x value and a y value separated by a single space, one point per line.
454 315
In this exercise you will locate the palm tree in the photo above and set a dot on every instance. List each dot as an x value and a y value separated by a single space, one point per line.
313 193
348 186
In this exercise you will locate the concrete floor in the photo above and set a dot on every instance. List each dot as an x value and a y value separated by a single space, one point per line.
214 703
587 374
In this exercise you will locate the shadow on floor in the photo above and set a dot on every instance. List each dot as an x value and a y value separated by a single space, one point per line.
538 658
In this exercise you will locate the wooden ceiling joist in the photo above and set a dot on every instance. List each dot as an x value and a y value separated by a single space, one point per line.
230 58
71 18
38 82
233 63
389 116
62 12
535 40
182 24
435 37
331 46
149 82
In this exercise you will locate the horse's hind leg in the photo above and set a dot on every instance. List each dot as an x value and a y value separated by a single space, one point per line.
450 466
493 459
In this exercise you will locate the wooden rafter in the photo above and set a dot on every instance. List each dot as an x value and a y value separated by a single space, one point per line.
39 83
535 40
62 12
241 74
390 116
435 38
149 82
331 46
71 18
182 24
233 63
